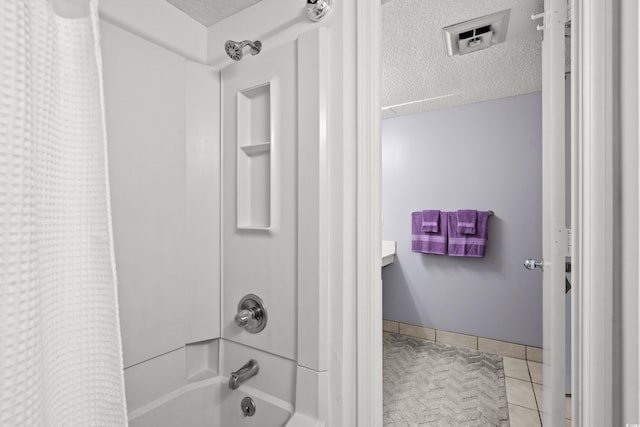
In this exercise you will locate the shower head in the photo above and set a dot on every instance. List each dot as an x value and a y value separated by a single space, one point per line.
234 49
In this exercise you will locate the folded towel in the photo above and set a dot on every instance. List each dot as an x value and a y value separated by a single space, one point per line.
467 221
430 220
428 243
471 245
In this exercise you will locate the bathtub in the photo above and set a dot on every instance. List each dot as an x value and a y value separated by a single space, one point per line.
211 403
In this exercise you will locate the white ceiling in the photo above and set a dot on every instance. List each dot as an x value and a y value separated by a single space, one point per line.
418 76
208 12
416 73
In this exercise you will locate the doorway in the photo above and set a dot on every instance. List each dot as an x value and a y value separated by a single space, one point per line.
451 298
601 67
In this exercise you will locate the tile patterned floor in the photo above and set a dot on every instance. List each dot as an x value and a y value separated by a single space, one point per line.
524 393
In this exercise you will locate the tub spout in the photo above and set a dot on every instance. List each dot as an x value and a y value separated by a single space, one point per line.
250 369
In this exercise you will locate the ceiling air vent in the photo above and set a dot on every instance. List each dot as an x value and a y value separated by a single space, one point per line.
476 34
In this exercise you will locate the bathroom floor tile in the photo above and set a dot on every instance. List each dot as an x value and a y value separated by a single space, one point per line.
535 369
417 331
516 368
520 393
390 326
501 347
534 353
454 338
567 407
537 390
523 417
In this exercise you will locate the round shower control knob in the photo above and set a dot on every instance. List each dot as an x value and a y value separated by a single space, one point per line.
243 317
252 314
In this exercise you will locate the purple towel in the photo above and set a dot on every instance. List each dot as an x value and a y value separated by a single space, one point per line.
428 243
430 220
471 245
467 221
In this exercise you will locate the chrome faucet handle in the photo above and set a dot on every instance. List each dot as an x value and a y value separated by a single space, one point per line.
244 316
252 314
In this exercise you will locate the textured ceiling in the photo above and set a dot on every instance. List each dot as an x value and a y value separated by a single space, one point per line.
417 75
208 12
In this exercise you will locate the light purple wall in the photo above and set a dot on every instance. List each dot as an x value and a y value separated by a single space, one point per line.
479 156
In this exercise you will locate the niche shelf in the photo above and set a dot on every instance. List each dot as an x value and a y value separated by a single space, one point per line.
255 158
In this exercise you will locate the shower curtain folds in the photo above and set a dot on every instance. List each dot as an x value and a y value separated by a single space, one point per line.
60 347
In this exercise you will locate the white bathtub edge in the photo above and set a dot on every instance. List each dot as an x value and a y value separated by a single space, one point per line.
172 395
282 404
275 401
299 420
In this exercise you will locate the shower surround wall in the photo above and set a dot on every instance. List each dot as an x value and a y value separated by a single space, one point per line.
162 130
164 126
483 156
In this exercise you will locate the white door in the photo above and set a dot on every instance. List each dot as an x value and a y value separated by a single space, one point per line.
259 196
554 239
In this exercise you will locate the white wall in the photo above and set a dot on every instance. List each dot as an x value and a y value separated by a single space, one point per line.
202 112
163 145
484 156
159 22
145 98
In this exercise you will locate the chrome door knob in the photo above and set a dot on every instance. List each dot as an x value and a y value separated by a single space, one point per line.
531 264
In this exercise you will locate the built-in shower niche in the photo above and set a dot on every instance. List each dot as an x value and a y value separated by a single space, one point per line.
254 158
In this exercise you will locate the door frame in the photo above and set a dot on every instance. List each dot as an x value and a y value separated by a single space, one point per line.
601 255
605 198
554 226
368 219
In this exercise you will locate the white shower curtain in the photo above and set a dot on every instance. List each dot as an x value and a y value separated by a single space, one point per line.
60 349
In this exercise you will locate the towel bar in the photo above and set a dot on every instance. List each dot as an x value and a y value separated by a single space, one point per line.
491 213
